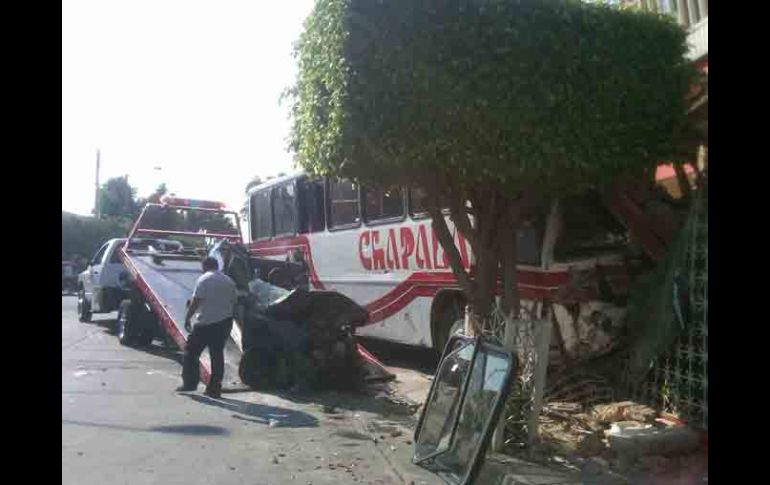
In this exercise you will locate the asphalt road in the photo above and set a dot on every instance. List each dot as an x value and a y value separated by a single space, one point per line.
122 423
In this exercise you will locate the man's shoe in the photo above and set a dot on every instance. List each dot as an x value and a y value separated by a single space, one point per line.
186 389
213 392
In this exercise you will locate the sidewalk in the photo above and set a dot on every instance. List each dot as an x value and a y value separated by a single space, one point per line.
497 468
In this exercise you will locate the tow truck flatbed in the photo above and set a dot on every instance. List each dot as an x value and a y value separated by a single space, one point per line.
166 282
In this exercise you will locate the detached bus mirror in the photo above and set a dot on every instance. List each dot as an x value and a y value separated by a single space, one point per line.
463 407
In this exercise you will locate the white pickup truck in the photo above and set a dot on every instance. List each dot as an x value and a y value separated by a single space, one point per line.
101 288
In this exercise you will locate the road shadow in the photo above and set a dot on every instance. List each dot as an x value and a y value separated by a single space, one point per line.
158 347
171 353
376 399
188 429
404 356
331 402
264 414
108 324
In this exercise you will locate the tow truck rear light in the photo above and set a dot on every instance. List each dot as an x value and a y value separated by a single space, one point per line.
202 204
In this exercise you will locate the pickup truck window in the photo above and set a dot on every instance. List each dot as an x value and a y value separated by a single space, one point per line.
100 255
115 258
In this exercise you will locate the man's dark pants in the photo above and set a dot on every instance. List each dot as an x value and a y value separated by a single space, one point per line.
213 336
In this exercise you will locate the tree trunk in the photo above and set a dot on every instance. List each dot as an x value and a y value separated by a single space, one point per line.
511 305
509 258
542 345
485 279
682 180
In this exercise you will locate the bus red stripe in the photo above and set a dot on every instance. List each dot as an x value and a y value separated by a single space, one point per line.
533 284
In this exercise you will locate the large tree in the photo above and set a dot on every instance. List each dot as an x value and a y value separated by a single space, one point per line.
117 198
82 236
491 106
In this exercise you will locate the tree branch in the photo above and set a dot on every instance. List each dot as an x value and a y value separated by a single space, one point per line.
447 243
459 216
488 231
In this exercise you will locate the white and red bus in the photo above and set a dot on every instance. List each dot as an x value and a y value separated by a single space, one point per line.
377 247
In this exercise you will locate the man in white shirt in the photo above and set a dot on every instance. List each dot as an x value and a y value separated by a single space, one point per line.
214 298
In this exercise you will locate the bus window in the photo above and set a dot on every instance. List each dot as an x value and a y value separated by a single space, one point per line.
418 206
311 203
285 209
343 203
383 204
588 229
261 222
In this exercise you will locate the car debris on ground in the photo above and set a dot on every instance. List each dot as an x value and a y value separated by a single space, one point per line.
625 437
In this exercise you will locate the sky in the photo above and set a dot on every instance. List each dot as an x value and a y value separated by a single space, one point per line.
184 93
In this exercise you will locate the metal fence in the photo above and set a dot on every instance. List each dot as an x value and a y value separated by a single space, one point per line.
678 380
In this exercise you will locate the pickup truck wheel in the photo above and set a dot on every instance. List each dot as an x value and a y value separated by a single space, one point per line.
125 323
84 307
145 338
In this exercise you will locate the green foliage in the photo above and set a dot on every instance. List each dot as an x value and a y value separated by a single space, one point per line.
82 236
318 111
116 198
253 183
561 94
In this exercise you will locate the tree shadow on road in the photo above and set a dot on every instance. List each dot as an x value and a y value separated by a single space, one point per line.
281 417
191 429
159 347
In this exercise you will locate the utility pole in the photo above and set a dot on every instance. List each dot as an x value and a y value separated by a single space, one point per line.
97 209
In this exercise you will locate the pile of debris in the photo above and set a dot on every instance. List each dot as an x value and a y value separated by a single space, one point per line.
624 437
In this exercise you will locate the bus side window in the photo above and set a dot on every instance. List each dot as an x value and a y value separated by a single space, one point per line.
285 209
383 204
261 220
311 203
344 207
418 205
588 229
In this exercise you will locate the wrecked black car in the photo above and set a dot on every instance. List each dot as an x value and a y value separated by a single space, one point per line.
296 338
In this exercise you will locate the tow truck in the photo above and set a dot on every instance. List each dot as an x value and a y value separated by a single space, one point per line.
157 280
155 269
